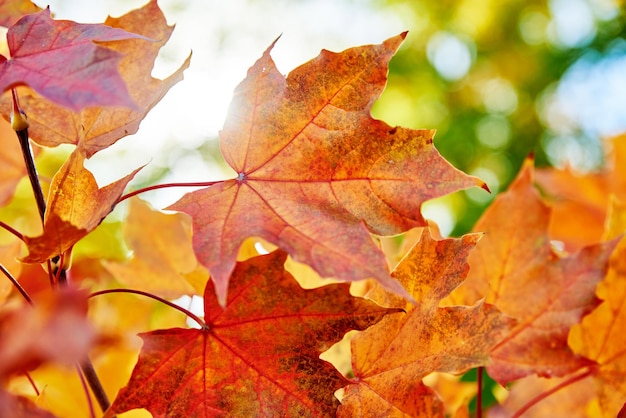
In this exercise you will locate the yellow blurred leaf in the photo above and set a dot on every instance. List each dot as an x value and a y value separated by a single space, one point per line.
163 260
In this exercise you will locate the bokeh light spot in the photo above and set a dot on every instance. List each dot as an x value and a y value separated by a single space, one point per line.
451 57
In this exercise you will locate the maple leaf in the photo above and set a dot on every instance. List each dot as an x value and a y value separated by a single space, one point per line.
600 335
257 357
12 10
315 172
97 128
580 200
390 359
62 62
76 206
163 260
515 264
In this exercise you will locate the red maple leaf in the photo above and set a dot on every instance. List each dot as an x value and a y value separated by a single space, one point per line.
257 357
61 61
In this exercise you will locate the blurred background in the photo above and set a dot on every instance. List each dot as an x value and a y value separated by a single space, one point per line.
498 79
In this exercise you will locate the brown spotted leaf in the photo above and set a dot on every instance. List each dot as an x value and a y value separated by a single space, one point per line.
390 359
257 357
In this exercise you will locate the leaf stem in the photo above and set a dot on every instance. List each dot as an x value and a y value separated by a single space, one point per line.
94 383
150 295
573 379
167 185
16 284
59 272
20 125
479 394
81 376
32 383
12 230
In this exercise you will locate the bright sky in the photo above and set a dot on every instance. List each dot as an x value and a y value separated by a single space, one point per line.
226 38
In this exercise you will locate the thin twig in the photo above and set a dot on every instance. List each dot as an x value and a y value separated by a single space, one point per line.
168 185
32 383
16 284
81 376
58 270
479 394
21 129
12 230
94 383
150 295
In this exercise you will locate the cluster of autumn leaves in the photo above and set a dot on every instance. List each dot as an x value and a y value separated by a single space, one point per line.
327 187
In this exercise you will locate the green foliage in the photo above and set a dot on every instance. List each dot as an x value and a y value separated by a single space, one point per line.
491 117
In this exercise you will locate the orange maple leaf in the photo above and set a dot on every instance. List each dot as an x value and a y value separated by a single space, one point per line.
580 200
76 206
600 336
390 359
315 172
515 268
163 261
97 128
61 61
257 357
